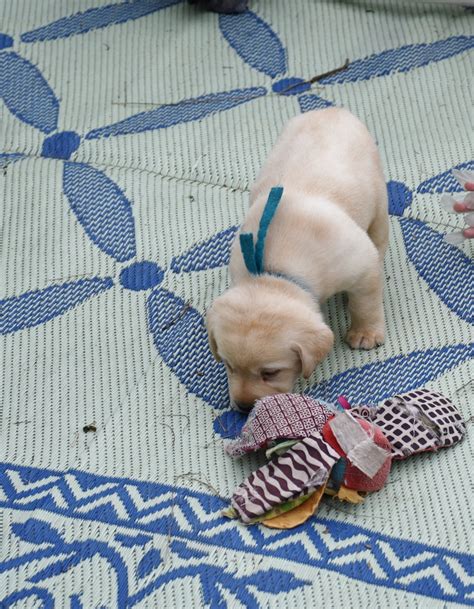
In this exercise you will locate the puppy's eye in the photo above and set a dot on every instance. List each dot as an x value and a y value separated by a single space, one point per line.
268 375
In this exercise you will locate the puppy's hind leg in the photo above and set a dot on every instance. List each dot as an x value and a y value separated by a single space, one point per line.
366 297
379 228
366 310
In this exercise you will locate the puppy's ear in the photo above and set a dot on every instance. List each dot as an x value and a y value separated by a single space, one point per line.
314 344
210 334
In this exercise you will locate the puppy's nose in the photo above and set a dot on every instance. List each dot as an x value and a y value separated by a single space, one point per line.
241 406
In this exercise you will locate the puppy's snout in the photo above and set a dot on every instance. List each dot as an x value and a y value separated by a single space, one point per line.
241 406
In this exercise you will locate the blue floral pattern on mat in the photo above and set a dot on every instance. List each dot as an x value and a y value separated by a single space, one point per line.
26 93
143 514
102 209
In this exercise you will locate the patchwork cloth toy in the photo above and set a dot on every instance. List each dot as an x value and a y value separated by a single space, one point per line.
316 448
279 417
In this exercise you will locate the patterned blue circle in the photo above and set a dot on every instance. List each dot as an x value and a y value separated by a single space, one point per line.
399 198
60 145
229 424
5 41
141 276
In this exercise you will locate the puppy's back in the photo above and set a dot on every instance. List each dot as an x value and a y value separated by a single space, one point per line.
327 153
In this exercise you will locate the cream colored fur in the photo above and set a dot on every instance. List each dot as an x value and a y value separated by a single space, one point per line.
330 231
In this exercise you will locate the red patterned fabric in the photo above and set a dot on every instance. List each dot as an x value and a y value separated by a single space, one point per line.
353 477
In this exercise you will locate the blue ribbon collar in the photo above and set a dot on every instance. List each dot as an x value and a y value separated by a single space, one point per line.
253 254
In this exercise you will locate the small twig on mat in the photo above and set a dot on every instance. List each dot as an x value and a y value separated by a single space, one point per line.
180 316
318 77
213 441
172 431
222 426
184 416
464 386
190 476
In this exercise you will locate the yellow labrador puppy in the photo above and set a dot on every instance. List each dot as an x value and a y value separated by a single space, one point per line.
328 235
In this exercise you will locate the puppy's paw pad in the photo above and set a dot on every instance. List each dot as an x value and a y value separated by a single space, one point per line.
364 339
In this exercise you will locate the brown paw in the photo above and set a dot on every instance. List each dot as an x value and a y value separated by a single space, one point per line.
365 339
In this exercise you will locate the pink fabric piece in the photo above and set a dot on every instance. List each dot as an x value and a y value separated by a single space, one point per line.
343 402
279 417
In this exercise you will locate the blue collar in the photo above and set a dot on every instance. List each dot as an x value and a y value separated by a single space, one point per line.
296 281
253 254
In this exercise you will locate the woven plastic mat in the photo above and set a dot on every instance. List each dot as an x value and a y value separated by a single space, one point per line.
130 134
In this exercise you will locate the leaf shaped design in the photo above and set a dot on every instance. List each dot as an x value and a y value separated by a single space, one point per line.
182 112
401 59
129 541
150 561
9 158
214 580
61 566
180 336
102 209
96 18
399 198
445 268
372 383
182 549
313 102
210 254
275 581
5 41
39 306
291 86
60 145
36 531
26 93
444 182
255 42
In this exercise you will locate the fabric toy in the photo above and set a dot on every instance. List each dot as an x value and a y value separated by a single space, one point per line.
317 448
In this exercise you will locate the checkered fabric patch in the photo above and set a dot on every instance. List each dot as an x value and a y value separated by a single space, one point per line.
416 421
439 411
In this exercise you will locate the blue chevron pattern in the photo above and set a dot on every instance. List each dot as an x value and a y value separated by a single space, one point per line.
38 307
147 510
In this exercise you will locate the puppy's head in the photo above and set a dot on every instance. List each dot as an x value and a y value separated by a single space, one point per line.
266 334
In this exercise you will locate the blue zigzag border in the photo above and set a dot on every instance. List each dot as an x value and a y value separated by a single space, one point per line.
347 549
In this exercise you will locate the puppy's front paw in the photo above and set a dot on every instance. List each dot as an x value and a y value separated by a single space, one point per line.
365 338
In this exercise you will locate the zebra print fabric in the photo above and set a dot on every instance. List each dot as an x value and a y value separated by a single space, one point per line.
299 470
